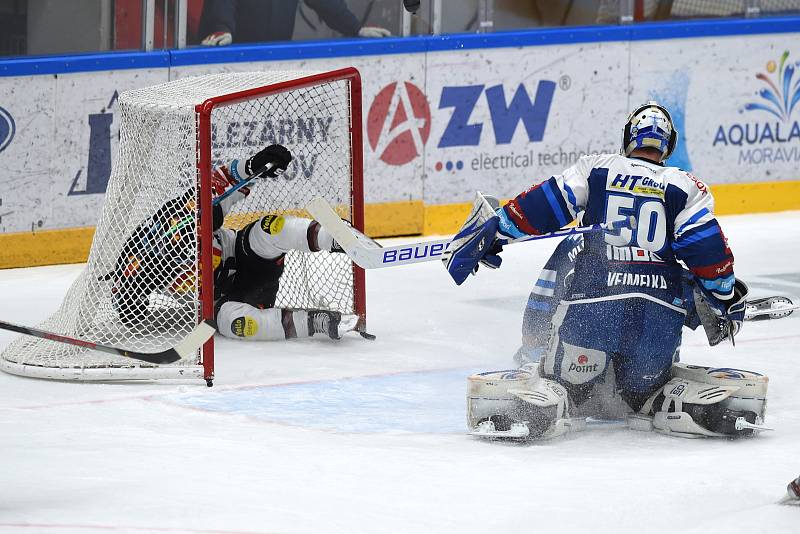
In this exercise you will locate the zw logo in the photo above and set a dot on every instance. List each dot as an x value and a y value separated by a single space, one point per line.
504 116
418 252
399 120
7 129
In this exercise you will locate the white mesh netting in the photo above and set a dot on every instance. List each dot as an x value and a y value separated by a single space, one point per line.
138 291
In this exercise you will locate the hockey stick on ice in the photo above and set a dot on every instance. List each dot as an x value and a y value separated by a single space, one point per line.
188 345
368 254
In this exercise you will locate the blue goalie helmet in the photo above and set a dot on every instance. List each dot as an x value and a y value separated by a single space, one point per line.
649 126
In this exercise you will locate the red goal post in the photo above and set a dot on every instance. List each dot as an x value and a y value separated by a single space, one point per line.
205 167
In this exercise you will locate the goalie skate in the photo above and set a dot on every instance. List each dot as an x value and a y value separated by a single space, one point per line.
706 402
497 427
768 308
517 404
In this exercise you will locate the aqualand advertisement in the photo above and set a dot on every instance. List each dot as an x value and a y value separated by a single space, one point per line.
437 127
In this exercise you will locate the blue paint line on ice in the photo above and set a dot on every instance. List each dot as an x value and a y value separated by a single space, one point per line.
417 402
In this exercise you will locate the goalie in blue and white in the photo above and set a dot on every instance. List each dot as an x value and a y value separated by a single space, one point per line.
618 324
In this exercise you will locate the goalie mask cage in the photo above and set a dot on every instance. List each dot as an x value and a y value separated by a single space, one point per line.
145 285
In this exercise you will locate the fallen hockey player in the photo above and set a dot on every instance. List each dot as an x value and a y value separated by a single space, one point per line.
617 328
248 263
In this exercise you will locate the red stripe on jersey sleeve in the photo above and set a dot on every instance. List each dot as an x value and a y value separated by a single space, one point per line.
711 272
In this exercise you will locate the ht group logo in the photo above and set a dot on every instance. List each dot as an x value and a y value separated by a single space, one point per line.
7 129
399 122
768 133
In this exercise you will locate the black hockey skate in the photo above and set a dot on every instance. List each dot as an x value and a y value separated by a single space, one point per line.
723 419
768 308
324 322
336 248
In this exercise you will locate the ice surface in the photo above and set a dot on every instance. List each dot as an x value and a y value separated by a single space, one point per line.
359 436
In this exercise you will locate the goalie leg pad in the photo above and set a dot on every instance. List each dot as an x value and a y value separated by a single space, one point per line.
708 402
516 404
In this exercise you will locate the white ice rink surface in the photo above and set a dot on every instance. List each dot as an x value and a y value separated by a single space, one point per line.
359 436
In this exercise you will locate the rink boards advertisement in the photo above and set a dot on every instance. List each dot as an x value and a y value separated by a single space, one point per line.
440 124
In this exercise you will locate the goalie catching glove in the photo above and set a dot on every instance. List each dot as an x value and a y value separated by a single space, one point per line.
721 319
479 241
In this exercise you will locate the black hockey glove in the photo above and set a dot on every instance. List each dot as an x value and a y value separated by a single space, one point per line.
721 319
277 157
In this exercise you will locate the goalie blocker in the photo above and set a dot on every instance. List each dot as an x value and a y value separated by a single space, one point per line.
483 236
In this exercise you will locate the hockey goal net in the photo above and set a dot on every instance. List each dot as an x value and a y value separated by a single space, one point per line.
171 136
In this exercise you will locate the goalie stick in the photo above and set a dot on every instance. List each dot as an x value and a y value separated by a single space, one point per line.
368 254
185 347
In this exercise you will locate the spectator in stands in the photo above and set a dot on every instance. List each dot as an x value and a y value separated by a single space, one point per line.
252 21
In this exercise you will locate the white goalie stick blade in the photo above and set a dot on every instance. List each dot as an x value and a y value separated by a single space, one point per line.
368 254
365 252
